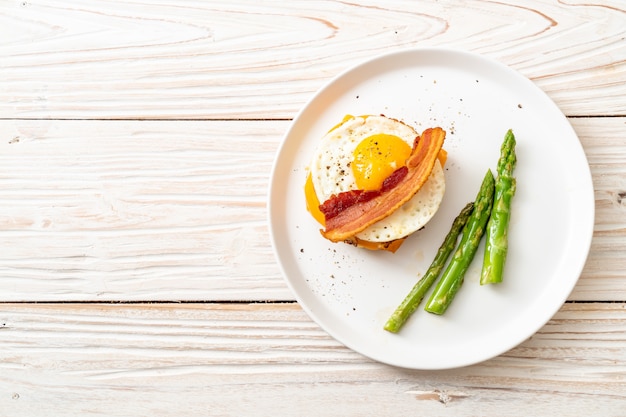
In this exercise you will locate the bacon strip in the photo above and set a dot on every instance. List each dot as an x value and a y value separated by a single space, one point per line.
339 202
346 223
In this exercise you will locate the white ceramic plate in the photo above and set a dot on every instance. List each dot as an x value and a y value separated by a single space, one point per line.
351 292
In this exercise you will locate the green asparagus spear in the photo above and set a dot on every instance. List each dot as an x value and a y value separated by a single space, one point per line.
452 277
496 239
415 296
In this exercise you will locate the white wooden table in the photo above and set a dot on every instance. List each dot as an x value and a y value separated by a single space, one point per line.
136 273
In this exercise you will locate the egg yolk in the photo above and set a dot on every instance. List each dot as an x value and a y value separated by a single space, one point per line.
377 157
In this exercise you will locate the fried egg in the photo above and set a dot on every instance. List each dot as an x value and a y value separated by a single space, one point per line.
358 154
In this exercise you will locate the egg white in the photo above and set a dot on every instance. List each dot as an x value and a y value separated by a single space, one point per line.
331 174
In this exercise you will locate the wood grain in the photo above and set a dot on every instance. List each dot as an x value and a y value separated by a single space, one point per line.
136 143
606 154
137 211
239 59
155 210
270 359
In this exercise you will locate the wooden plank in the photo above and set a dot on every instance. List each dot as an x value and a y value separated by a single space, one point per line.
137 211
270 359
133 210
606 153
247 59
